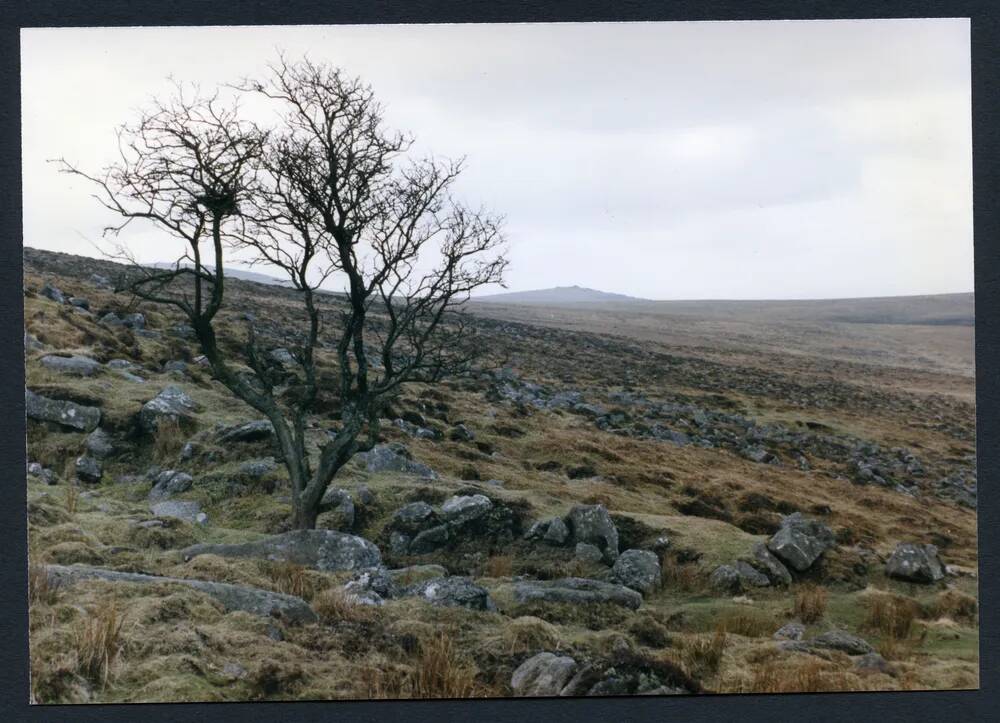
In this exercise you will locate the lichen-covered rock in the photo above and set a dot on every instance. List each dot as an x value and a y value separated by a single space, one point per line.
99 444
592 524
725 578
325 550
171 403
430 540
187 510
637 569
915 563
461 509
842 641
800 541
545 674
53 292
453 592
790 631
767 563
413 518
66 413
81 366
253 600
88 469
254 431
169 483
394 458
556 533
751 576
585 552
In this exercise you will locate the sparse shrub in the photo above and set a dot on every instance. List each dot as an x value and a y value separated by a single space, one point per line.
440 673
168 440
529 633
499 566
810 603
703 655
333 605
99 643
891 615
955 605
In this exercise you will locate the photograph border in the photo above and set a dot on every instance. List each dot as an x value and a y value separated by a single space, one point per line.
881 706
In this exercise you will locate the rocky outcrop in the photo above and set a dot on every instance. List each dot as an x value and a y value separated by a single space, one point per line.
99 444
187 510
800 541
171 403
545 674
460 509
394 458
764 561
254 431
80 366
592 524
326 550
169 483
576 590
842 641
88 469
637 569
68 414
233 597
453 592
915 563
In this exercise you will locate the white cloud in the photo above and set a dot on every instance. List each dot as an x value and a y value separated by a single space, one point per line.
667 160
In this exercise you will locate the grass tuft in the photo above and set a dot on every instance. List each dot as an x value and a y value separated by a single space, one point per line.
810 603
99 643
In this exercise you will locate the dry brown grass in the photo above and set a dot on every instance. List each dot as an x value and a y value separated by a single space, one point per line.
99 642
440 673
810 603
290 578
41 589
748 623
956 605
703 655
437 672
892 616
528 633
72 498
808 676
686 578
168 440
333 605
499 566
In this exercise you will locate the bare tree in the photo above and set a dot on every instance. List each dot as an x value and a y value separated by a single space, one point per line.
326 194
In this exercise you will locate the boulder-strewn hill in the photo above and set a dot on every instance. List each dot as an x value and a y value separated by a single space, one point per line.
598 511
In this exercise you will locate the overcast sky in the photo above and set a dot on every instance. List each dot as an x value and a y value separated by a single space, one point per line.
682 160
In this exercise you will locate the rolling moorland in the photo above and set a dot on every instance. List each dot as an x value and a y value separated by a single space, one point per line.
634 497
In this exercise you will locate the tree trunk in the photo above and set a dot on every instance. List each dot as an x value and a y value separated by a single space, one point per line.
303 518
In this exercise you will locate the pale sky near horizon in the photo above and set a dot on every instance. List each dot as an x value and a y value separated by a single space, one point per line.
738 160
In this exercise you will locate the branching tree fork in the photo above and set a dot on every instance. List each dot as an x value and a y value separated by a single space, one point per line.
325 194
